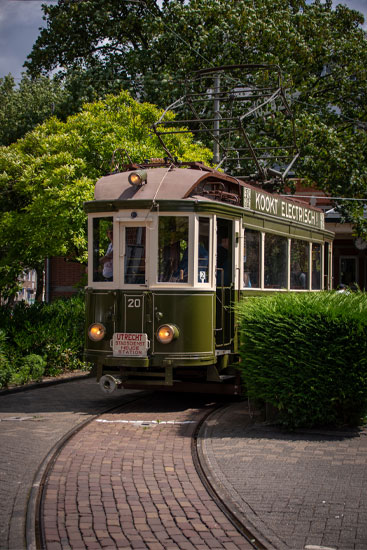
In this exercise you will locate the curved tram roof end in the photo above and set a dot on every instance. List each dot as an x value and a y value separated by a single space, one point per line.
196 181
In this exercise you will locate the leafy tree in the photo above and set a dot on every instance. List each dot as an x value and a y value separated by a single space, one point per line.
29 104
36 99
138 42
150 49
46 176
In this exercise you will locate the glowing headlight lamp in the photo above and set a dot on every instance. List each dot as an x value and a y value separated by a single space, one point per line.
96 332
138 178
166 333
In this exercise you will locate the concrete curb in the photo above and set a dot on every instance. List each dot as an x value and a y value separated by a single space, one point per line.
247 517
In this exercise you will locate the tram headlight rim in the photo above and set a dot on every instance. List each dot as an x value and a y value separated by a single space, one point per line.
166 333
99 334
138 178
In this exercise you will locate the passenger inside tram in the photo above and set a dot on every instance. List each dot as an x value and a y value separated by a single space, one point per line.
107 260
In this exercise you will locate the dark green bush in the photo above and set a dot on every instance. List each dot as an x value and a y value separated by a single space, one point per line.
5 371
306 354
55 332
5 368
34 365
31 367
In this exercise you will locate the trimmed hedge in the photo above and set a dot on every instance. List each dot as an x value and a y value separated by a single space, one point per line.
306 354
41 339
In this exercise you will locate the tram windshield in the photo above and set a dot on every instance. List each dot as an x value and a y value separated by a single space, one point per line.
134 265
173 249
203 250
103 249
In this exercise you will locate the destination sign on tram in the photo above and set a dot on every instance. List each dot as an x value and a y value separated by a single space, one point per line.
130 344
287 210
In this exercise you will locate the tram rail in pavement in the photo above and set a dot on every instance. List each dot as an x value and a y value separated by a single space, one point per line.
301 490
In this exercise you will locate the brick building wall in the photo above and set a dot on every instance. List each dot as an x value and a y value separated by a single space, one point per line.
63 278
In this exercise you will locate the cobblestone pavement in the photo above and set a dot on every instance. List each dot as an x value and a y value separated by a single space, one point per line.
31 423
295 491
299 490
127 480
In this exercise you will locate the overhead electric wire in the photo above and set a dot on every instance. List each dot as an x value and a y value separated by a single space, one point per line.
325 197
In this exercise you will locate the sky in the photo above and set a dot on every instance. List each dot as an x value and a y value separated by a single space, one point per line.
20 21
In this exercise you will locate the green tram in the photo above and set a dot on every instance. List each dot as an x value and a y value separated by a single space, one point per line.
171 249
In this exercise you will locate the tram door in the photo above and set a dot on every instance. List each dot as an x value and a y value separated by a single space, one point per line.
224 284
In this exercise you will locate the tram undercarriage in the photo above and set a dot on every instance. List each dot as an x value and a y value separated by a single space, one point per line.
206 379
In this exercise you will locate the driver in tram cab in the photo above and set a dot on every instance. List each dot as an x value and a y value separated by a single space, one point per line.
181 274
107 259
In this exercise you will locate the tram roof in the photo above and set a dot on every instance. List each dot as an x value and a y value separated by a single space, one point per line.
197 181
172 183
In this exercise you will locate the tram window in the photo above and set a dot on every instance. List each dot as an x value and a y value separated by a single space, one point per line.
134 268
275 274
103 249
173 249
299 264
316 266
251 259
203 250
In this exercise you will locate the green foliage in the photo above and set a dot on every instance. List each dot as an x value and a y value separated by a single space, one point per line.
47 176
31 367
5 369
29 104
306 354
43 338
35 365
150 48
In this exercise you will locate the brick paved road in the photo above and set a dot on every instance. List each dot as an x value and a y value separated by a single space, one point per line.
31 422
297 489
123 484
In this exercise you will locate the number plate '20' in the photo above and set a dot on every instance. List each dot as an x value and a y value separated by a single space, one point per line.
134 302
133 317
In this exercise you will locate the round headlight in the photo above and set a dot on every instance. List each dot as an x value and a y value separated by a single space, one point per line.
167 333
138 178
96 332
